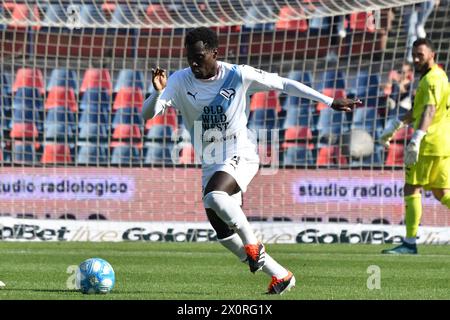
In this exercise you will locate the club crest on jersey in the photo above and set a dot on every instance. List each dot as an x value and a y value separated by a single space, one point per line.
228 93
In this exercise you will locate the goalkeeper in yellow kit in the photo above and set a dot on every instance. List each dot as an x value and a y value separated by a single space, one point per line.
427 156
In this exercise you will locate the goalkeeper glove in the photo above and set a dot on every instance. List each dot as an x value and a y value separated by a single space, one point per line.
389 131
413 147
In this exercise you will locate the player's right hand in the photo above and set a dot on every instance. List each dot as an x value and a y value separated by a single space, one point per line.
159 79
390 130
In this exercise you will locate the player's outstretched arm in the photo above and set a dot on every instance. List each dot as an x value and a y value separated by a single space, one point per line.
298 89
159 80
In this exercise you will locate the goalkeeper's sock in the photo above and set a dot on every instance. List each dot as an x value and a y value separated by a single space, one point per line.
445 200
231 213
235 245
413 213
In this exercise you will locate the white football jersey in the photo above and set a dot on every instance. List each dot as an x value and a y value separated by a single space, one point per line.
216 110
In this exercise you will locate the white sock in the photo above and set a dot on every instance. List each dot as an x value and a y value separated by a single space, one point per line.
410 240
231 213
271 267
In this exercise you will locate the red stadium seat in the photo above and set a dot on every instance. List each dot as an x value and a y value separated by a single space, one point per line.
395 154
29 77
129 97
403 134
265 100
187 155
330 155
330 92
127 131
21 15
96 78
56 153
24 130
168 119
61 97
288 20
294 136
362 21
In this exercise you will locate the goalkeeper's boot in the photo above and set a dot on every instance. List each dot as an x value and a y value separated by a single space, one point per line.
280 286
256 256
404 248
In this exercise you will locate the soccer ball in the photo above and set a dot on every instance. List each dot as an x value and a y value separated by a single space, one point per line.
95 275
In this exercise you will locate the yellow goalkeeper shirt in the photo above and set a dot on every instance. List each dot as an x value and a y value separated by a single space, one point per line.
433 89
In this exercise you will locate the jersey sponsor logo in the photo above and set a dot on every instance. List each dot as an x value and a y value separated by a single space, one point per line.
192 94
228 93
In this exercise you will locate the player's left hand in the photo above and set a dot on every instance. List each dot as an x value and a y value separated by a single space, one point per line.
413 147
411 153
344 104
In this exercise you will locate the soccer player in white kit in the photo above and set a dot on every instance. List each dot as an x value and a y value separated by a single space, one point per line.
213 98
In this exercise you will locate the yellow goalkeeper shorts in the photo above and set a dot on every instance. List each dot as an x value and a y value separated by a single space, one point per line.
431 172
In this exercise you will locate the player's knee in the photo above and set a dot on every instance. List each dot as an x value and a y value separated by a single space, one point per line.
216 200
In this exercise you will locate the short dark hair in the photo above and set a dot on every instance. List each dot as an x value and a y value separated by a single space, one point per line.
206 35
424 41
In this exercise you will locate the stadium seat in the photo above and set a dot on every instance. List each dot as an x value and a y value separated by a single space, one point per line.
129 78
63 78
158 153
92 153
365 118
298 155
334 79
299 115
160 132
403 135
265 100
26 114
93 123
91 15
21 14
127 123
95 78
298 135
5 82
30 78
97 97
169 118
303 77
187 154
123 16
360 21
23 152
330 155
129 97
366 88
5 106
331 125
333 93
61 97
125 153
59 124
262 119
288 20
56 153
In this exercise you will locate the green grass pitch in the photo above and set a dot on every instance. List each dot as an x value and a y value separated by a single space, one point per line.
186 271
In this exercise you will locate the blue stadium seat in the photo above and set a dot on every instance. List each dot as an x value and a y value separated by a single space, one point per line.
123 16
63 78
129 78
93 122
59 123
332 79
158 153
90 153
298 155
24 152
299 115
303 77
331 124
124 154
27 108
262 119
96 96
367 87
127 116
159 132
